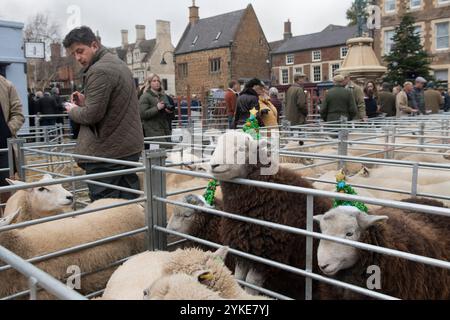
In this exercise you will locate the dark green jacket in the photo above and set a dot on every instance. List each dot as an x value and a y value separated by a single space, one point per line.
388 103
154 121
338 102
110 123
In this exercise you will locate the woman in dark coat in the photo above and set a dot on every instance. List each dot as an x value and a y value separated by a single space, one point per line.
370 98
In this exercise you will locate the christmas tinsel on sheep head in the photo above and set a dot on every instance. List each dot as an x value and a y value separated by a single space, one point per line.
343 187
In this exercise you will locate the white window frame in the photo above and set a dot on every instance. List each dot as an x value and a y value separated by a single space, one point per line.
384 52
390 11
294 71
281 76
330 68
442 3
435 23
418 7
290 59
313 56
312 73
341 52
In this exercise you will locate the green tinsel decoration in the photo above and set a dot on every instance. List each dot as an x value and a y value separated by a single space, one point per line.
343 187
210 193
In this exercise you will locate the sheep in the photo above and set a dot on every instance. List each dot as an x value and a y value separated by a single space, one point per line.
46 238
140 272
264 204
391 228
39 202
180 287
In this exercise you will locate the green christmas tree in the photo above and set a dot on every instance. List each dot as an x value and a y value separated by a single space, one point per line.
407 59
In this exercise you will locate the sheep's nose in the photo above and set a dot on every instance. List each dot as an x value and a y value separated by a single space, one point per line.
324 266
69 198
214 166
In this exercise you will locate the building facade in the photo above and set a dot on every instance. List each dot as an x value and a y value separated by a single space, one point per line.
432 22
12 58
214 50
316 55
145 57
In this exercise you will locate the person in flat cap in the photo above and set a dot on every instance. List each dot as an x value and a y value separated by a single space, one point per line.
418 94
434 101
338 102
357 93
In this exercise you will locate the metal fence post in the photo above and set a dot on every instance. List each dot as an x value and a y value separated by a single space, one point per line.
19 161
393 141
309 245
445 131
155 186
415 178
32 282
422 133
343 147
46 138
387 131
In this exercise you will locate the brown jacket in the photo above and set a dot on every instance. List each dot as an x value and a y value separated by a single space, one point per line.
11 106
296 108
433 100
231 102
110 122
358 96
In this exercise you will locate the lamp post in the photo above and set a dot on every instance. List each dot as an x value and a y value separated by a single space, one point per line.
163 61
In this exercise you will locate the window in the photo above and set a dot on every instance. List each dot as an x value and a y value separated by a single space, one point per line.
390 6
388 41
165 84
317 73
129 58
290 59
443 2
298 70
316 55
415 4
441 75
136 56
284 76
140 76
344 52
442 35
333 68
182 70
214 65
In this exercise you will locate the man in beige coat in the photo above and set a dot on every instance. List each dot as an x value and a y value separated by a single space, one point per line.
404 102
11 120
296 106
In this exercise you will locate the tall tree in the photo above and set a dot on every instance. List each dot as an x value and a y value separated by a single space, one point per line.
407 59
358 9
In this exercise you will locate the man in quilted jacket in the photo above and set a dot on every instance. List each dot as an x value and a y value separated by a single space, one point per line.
107 112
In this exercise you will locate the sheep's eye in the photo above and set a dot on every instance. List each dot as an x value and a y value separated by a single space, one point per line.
349 234
42 189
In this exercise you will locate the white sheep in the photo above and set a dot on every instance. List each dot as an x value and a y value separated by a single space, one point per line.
139 273
35 203
50 237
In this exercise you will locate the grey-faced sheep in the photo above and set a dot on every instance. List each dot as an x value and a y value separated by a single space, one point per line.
406 231
138 274
35 203
57 235
263 204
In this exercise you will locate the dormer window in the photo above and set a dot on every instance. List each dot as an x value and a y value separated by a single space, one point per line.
195 40
218 36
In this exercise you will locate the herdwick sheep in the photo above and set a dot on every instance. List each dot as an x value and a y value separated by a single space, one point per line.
264 204
135 276
39 202
391 228
57 235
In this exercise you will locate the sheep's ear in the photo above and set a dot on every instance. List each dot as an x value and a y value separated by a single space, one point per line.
221 254
15 182
318 218
46 177
365 220
6 221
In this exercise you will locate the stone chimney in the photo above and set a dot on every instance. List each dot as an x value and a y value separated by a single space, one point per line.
140 33
163 32
55 49
193 13
287 30
124 38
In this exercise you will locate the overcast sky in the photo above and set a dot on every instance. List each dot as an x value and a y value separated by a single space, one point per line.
109 17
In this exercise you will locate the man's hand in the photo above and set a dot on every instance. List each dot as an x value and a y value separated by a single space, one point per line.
78 99
69 106
161 105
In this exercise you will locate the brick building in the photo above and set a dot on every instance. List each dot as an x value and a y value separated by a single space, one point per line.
432 22
316 55
144 57
214 50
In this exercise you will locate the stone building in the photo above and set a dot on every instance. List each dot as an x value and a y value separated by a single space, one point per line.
214 50
432 22
316 55
144 57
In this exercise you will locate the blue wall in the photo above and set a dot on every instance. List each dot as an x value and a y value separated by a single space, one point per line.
12 54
